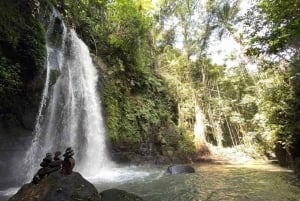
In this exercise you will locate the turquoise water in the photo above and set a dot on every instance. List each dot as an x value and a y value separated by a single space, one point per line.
256 182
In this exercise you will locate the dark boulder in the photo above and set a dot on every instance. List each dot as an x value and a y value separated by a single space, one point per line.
118 195
57 187
178 169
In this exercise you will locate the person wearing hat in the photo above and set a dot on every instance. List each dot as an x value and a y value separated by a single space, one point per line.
69 162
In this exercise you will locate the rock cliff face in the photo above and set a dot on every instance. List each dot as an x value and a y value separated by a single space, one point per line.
22 58
57 187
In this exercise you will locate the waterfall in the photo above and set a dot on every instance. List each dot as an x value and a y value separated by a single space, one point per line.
70 109
199 127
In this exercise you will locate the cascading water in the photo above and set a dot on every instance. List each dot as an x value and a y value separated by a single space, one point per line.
70 112
199 129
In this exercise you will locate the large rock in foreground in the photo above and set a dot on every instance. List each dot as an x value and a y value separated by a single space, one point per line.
58 187
178 169
118 195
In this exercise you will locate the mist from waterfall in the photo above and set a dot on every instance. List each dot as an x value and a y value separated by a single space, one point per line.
70 109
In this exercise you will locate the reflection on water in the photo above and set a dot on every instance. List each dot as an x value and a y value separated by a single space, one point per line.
256 182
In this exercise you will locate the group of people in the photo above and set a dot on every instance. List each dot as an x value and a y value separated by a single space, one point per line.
52 164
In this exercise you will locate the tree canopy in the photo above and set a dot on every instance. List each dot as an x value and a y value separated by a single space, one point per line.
158 76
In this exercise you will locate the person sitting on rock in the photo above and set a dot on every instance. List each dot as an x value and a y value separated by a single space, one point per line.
69 162
45 170
56 156
47 160
57 162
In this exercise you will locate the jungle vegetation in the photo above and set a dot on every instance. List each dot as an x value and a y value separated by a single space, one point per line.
159 73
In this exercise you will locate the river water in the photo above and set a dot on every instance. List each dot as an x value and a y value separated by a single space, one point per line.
254 182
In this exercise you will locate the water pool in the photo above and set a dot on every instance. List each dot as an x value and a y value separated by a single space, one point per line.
252 182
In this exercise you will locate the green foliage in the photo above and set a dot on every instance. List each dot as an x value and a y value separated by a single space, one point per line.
32 51
9 76
274 30
136 101
227 100
139 104
22 56
282 108
186 145
137 109
275 26
118 28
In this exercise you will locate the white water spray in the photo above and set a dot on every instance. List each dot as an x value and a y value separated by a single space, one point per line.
199 127
70 112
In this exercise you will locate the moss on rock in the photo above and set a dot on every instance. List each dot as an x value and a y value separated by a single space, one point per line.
22 57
